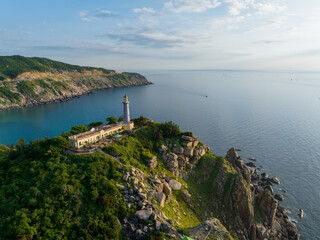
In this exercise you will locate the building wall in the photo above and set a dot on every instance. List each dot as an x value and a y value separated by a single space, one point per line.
94 137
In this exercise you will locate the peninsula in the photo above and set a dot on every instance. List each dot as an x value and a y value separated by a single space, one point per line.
27 81
151 182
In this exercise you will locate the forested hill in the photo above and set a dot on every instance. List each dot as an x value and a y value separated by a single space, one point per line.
12 66
26 81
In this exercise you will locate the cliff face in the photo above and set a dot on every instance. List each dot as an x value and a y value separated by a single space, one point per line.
31 81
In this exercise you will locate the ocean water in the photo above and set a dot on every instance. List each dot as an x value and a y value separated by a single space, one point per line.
273 117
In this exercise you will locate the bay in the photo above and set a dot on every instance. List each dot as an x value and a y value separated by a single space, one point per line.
273 117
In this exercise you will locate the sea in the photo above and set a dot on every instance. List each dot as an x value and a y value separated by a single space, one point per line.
271 116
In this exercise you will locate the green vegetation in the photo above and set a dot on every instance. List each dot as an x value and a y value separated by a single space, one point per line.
78 129
12 66
6 93
94 124
111 120
140 121
47 195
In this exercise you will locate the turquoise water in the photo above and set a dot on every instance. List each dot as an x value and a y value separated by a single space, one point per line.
273 117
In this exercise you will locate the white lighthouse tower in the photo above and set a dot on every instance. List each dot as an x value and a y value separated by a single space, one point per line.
127 125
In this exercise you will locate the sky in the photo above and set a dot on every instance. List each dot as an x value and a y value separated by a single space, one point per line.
271 35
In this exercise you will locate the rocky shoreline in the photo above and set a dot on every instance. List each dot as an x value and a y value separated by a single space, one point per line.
150 194
66 97
277 224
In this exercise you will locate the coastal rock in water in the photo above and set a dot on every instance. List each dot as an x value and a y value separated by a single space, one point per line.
264 175
275 180
279 197
301 213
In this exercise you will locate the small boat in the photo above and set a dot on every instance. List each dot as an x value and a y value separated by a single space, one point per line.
252 159
206 96
238 150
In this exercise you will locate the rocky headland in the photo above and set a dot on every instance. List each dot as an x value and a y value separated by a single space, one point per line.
154 183
33 81
226 195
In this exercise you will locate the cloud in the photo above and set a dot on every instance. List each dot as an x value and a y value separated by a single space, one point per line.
81 48
179 6
235 7
267 42
144 10
148 37
88 16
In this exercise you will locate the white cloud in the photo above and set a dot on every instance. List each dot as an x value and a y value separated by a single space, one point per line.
88 16
144 10
179 6
235 7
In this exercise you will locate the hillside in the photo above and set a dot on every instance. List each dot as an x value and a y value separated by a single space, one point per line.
28 81
156 183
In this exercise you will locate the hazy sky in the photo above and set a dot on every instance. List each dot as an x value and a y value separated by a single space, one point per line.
166 34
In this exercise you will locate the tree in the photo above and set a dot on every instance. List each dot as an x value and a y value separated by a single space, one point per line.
120 119
94 124
78 129
111 120
140 121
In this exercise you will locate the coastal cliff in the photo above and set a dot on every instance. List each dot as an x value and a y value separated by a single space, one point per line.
32 81
155 183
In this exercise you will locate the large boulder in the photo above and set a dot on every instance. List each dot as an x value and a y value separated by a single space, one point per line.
166 189
161 198
175 185
143 215
279 197
188 151
178 150
159 187
187 138
173 164
172 156
183 161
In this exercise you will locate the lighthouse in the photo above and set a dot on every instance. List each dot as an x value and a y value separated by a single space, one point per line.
127 125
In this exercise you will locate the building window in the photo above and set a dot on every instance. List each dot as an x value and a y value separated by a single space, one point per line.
80 143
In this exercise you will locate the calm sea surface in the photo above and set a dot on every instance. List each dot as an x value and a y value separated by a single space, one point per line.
273 117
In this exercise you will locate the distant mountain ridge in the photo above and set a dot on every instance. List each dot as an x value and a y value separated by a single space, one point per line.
26 81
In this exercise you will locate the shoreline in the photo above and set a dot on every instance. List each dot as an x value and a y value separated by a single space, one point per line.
66 98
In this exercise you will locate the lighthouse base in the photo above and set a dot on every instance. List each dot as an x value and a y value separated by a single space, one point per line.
128 127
